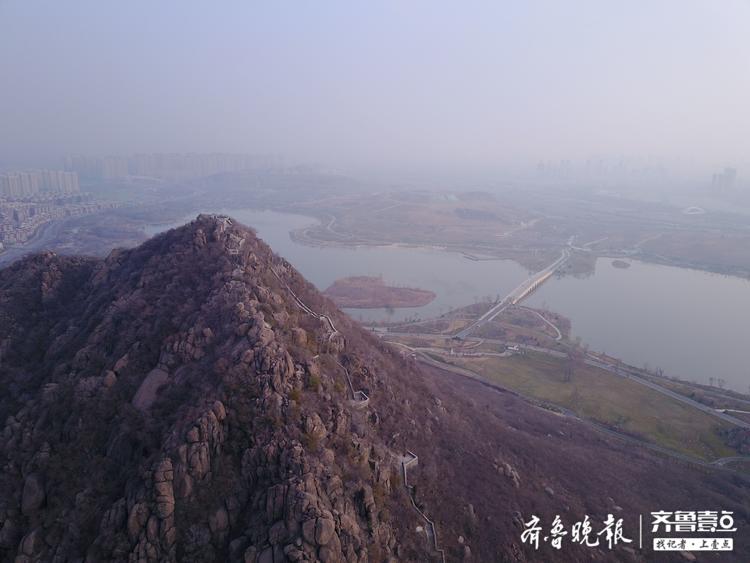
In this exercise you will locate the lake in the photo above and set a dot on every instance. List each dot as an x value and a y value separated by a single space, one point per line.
691 324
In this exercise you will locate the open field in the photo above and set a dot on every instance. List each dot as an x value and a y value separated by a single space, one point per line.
615 402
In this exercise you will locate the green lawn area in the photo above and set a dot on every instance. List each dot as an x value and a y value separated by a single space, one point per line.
595 394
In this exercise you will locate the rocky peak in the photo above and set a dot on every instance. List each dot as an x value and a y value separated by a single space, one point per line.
187 400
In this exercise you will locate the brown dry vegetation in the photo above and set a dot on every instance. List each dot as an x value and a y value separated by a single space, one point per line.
371 292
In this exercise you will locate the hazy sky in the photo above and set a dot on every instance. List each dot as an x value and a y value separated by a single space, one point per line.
353 82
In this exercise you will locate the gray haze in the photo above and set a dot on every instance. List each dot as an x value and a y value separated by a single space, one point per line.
428 83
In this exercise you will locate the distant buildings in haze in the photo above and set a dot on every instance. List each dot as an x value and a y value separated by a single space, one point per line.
603 170
167 166
725 180
30 183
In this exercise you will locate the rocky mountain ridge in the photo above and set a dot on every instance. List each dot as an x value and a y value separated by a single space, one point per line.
175 403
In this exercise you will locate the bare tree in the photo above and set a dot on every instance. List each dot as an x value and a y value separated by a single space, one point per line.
568 369
574 359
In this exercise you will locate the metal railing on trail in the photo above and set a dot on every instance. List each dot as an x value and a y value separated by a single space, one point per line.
360 399
408 460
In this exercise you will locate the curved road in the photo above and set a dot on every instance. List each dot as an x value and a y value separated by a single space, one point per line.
538 314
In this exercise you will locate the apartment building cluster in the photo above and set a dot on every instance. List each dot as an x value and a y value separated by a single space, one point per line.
166 166
20 220
31 198
31 183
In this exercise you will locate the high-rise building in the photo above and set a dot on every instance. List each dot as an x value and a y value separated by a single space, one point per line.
19 184
16 185
725 180
114 167
10 186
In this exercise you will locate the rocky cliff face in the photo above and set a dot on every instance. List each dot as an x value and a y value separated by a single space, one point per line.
183 401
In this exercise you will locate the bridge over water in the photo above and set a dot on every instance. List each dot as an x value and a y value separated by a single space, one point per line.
517 295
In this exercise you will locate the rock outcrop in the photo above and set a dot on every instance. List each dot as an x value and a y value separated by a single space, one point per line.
174 403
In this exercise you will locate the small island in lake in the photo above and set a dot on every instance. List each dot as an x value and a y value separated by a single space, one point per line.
620 264
371 292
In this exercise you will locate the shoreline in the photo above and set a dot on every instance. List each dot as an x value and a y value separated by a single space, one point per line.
299 236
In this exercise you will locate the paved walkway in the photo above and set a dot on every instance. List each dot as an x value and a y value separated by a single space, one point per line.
546 320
